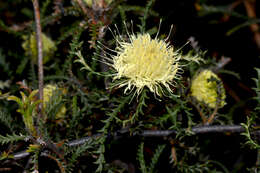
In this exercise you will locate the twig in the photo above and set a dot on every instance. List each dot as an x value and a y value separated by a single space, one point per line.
258 158
221 63
203 117
251 12
29 161
5 169
151 133
62 169
40 57
211 117
82 6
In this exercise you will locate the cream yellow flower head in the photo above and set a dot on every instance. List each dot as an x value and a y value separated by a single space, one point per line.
207 87
30 47
145 62
48 92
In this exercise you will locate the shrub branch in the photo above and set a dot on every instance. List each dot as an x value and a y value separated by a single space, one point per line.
152 133
39 48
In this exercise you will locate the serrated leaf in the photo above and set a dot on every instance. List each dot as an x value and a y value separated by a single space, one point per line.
82 61
11 138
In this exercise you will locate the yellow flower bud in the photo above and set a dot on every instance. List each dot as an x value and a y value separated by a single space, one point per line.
48 92
30 47
207 87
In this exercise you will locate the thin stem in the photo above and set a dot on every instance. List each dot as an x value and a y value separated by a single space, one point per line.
151 134
40 56
251 12
203 117
258 158
211 117
82 6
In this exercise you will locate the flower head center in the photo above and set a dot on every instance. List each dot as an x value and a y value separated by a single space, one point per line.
145 62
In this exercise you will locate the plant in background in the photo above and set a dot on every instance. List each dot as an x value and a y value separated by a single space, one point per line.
30 47
4 84
207 87
27 107
249 125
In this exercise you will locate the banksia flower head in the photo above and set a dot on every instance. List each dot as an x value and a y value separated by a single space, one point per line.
30 47
207 87
145 62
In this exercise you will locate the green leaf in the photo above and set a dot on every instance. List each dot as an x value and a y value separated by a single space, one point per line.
16 99
155 158
82 61
11 138
140 158
245 24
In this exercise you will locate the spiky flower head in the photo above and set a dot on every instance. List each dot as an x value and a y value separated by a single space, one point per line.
30 47
145 62
208 88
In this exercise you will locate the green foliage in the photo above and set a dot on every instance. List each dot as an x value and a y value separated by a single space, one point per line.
82 61
27 107
142 27
245 24
76 115
11 138
228 10
100 162
140 158
72 30
74 153
210 9
45 6
4 64
200 167
250 120
7 120
247 134
76 44
97 110
22 66
257 88
139 108
105 129
155 158
35 158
